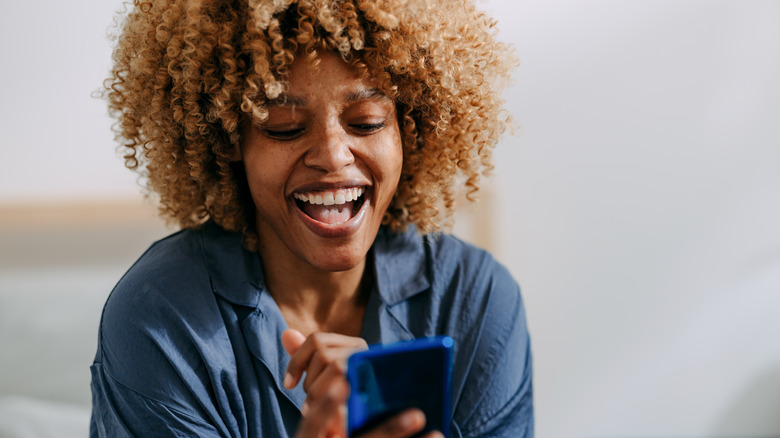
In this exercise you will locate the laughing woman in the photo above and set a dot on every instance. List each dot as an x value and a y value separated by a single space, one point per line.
310 151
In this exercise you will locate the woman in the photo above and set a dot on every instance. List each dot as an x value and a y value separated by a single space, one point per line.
309 150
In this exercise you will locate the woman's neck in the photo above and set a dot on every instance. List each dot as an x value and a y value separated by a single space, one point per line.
313 300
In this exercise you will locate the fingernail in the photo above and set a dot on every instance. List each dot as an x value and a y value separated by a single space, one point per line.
288 381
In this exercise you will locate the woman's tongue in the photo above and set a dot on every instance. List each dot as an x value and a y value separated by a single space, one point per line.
329 214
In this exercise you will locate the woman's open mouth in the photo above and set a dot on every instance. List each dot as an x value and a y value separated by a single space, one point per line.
331 207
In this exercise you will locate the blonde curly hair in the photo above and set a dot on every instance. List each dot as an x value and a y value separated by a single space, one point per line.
188 73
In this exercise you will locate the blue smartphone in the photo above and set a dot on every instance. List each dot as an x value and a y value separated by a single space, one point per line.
387 379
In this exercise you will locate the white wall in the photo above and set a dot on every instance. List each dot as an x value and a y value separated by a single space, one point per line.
640 212
638 205
55 140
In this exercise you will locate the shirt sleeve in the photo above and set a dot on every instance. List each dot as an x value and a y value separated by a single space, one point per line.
495 394
119 411
151 375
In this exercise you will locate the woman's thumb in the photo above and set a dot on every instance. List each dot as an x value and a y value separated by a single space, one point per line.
292 340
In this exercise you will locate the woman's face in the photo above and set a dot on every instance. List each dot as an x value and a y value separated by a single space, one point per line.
324 167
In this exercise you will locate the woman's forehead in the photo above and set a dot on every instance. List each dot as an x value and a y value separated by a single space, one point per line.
328 74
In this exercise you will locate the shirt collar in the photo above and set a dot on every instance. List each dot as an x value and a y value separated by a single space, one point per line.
237 274
400 265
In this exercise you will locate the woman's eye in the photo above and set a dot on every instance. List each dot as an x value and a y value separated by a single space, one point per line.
283 134
367 128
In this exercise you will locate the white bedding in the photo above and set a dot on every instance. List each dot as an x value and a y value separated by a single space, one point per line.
48 335
27 417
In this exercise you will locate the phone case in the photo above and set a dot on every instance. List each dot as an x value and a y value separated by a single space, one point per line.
387 379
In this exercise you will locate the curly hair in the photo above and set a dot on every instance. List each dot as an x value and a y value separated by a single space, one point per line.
187 73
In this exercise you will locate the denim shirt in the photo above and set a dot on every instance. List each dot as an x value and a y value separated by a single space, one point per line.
190 340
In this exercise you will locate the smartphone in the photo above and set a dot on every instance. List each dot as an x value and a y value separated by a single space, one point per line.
387 379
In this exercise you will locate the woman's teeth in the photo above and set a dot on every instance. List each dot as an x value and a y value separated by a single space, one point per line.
331 197
330 206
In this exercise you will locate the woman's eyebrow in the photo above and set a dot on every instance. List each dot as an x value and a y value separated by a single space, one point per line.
366 93
286 100
354 96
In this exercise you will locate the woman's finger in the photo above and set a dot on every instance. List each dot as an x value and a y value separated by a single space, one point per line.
403 425
334 356
322 389
325 412
316 342
292 340
322 386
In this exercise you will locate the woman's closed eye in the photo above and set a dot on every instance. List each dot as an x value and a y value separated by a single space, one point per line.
367 128
291 133
283 134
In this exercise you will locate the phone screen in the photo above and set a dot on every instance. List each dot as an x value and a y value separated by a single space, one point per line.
388 379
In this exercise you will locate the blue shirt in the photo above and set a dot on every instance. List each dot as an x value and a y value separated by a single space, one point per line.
190 341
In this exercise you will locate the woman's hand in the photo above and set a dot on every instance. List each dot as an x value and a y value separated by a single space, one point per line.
323 357
319 421
319 354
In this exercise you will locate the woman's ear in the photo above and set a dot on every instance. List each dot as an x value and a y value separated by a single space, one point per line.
244 125
237 138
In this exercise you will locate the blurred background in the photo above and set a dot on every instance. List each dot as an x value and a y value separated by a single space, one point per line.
636 204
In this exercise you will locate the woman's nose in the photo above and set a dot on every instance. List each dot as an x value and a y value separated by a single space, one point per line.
331 150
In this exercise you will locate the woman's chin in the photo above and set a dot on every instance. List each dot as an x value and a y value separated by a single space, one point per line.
337 259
